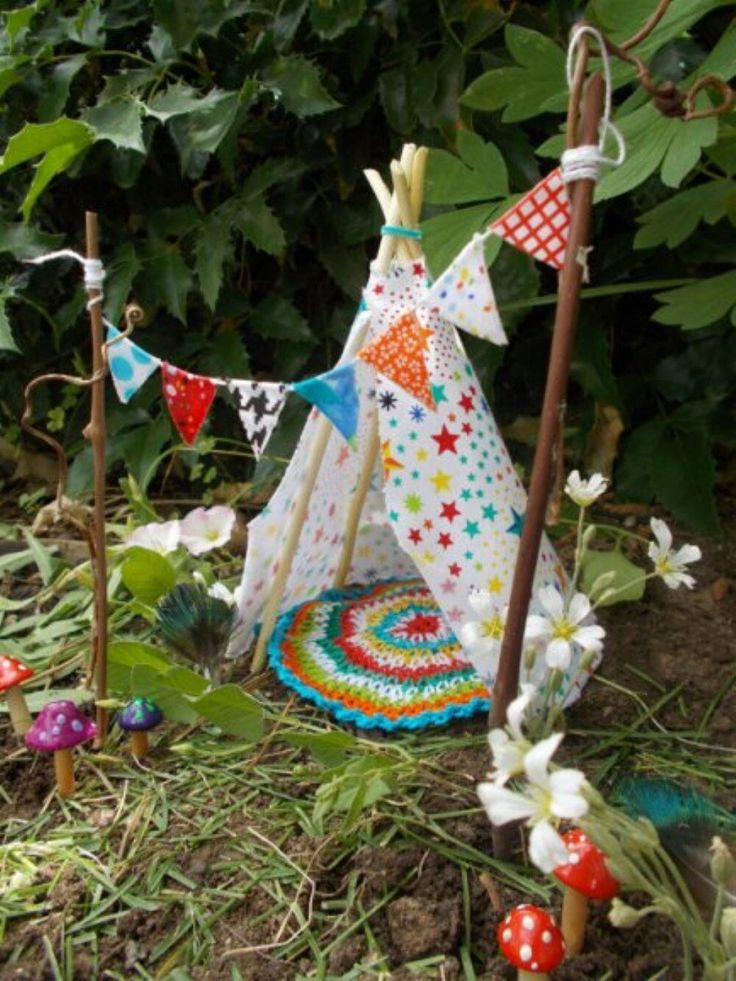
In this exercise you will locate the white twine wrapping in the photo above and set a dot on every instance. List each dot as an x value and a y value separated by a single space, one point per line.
584 162
94 272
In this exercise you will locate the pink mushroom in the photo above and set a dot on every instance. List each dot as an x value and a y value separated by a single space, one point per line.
531 940
585 876
58 728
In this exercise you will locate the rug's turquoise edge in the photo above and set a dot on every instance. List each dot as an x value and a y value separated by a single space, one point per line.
336 708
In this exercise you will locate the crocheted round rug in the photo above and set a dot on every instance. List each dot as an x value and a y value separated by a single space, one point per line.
379 656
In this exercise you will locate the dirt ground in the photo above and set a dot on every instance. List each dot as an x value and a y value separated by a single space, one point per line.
676 647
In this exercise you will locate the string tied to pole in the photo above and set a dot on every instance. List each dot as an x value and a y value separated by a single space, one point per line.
400 232
585 162
93 270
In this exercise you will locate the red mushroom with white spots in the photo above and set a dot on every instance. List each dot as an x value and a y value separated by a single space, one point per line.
12 674
59 727
585 876
530 939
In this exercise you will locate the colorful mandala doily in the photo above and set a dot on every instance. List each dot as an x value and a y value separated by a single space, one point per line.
378 656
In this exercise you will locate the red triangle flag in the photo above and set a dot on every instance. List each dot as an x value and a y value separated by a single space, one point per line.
399 353
189 398
539 224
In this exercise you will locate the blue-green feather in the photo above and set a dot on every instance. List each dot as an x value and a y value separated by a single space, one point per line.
196 626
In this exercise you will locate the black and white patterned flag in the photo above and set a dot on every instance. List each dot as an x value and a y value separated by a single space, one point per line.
259 407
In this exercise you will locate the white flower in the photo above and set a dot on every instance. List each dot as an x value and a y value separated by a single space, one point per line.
548 798
562 625
670 565
584 492
483 637
159 536
230 596
509 746
206 528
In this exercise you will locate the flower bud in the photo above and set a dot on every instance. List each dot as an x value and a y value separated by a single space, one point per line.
530 656
588 536
624 916
722 863
599 584
586 661
728 931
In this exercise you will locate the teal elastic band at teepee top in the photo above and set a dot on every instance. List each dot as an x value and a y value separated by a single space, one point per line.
401 232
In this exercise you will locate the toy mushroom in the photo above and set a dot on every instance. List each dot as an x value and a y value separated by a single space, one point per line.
138 716
12 673
585 876
530 939
59 727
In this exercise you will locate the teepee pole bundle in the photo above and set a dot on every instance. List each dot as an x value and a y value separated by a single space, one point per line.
407 207
323 430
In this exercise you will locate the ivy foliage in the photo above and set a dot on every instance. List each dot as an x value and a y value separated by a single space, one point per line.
223 145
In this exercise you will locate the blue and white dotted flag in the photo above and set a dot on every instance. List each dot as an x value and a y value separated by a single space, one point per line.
130 365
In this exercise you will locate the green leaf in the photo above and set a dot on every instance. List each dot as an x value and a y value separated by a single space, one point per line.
199 134
24 241
147 575
229 708
179 99
170 276
538 86
118 121
123 655
147 681
258 224
328 748
331 18
214 245
121 270
41 138
7 341
185 680
297 85
9 74
479 175
675 219
683 475
41 556
56 87
628 578
277 317
445 235
647 134
17 21
698 304
54 162
36 700
686 146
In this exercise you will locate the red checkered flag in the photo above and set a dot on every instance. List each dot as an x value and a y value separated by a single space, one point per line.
539 224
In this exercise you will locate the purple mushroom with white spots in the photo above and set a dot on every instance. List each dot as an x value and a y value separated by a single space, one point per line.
58 728
138 717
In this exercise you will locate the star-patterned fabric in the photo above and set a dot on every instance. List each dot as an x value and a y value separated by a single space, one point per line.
188 397
463 295
539 223
335 395
130 365
259 407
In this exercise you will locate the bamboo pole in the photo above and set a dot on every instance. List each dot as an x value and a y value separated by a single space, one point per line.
407 201
563 337
96 433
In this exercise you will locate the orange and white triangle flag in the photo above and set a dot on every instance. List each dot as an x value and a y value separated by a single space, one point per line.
539 224
399 354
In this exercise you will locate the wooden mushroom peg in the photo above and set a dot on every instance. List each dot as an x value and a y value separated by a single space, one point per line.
585 876
58 728
12 674
530 939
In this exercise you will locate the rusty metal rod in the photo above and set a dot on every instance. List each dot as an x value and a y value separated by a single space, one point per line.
563 338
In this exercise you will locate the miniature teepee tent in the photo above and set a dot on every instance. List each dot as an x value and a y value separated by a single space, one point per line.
424 491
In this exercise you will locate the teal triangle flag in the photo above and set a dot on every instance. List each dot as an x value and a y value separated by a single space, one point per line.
335 395
129 364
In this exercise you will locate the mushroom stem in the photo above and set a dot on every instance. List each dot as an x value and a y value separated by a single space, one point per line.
139 745
64 766
20 717
531 976
574 917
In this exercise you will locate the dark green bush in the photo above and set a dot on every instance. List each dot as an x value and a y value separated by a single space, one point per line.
222 144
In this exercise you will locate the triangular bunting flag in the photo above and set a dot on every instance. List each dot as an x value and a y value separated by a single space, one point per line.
130 365
398 353
335 395
539 224
189 398
463 295
259 407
